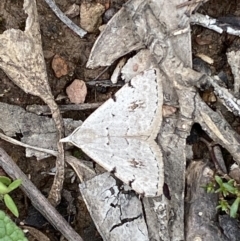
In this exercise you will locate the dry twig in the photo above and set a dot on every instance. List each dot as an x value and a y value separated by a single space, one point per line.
79 31
45 110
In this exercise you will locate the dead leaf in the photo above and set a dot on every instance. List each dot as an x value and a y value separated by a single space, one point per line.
21 58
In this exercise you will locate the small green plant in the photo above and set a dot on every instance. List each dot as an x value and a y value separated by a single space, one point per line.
9 231
6 186
226 189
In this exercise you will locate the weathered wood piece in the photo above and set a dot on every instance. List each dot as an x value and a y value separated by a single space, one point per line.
230 227
134 22
201 212
234 61
158 213
21 58
214 24
117 213
120 134
218 128
39 131
191 5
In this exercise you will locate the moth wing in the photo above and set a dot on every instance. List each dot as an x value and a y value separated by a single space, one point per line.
135 110
120 134
136 162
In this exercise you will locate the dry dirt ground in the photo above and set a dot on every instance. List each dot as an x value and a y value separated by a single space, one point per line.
58 39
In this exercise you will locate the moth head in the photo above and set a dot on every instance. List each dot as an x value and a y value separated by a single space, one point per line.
80 137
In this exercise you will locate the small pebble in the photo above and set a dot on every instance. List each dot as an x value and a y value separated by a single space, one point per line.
91 16
59 66
109 14
73 11
168 110
77 91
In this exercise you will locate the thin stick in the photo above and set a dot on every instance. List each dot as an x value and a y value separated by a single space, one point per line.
105 69
104 83
37 199
214 24
19 143
75 163
79 31
45 110
216 156
187 3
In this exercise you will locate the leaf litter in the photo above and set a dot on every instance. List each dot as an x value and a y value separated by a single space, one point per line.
203 114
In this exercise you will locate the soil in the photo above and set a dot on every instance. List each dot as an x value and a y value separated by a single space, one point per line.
59 39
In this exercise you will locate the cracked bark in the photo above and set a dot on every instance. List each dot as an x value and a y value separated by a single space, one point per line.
117 213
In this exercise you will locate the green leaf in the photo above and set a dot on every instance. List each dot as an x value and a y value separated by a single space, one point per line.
5 180
234 208
15 184
231 181
219 180
209 188
223 205
230 188
11 205
9 231
218 190
3 188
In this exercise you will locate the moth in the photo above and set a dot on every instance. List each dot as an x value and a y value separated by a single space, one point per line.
120 134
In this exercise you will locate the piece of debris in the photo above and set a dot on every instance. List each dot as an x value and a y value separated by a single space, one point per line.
91 16
77 91
36 130
205 58
102 27
73 11
200 205
235 172
48 54
209 97
168 110
141 61
59 66
109 14
214 24
234 60
117 70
